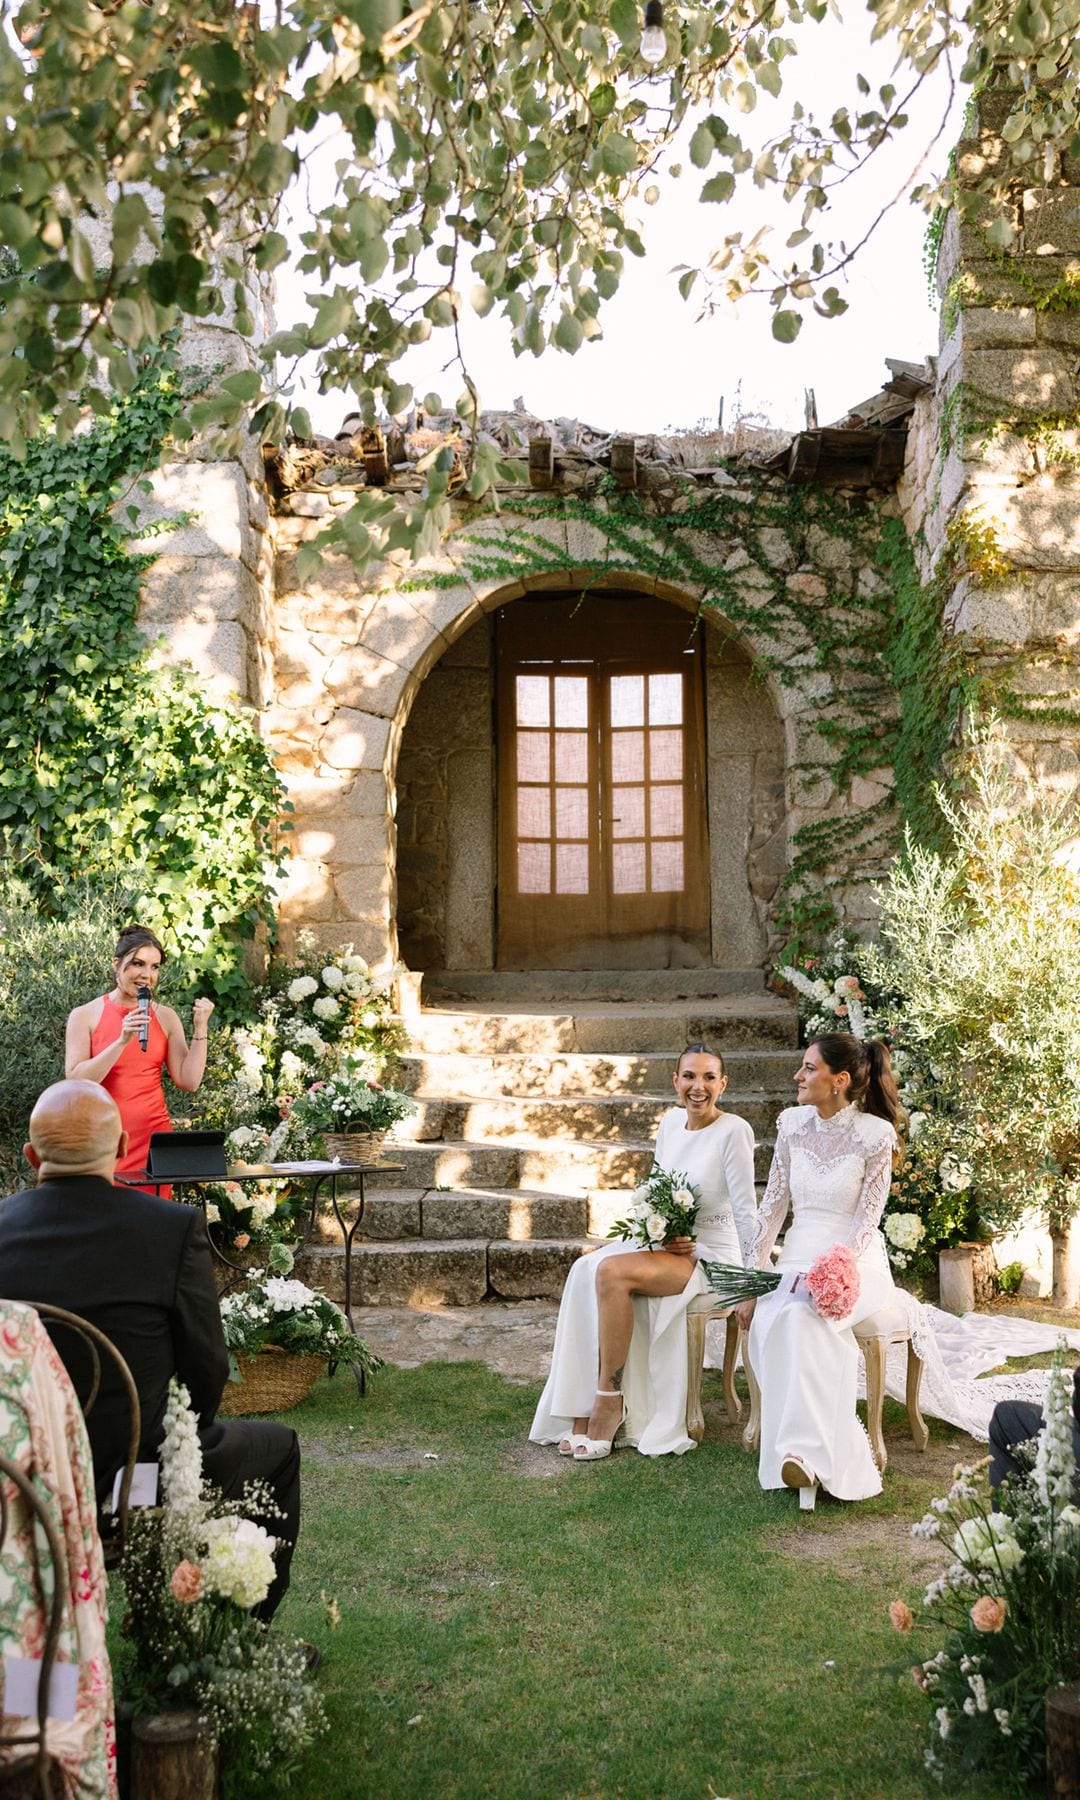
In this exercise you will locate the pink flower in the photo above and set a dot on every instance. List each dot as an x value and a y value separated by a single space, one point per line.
284 1104
186 1583
833 1282
241 1240
988 1613
901 1616
918 1676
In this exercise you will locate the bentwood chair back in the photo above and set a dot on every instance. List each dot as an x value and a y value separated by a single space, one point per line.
25 1762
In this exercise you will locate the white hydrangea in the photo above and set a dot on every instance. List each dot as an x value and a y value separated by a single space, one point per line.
239 1560
309 1038
287 1296
988 1543
332 978
263 1207
326 1007
905 1230
355 983
355 965
301 988
181 1453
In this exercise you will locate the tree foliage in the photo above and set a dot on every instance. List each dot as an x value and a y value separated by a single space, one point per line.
488 153
112 766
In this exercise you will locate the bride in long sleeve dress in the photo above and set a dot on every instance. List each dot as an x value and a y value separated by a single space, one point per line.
833 1167
620 1341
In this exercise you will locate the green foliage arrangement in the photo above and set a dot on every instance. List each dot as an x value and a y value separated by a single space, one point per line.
349 1101
114 768
271 1310
1009 1604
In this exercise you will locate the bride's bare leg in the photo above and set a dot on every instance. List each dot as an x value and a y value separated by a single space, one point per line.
618 1279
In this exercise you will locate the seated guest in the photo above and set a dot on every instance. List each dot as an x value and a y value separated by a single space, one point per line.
139 1269
1012 1423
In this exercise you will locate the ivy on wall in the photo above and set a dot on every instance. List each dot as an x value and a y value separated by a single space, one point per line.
109 764
868 643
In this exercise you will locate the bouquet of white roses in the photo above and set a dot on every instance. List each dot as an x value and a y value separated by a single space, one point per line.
663 1208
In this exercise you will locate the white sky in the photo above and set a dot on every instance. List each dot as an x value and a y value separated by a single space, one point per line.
654 367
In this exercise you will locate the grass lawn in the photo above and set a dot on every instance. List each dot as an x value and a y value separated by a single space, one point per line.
517 1627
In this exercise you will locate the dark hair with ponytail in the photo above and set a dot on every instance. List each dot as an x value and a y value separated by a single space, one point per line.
699 1050
135 937
873 1084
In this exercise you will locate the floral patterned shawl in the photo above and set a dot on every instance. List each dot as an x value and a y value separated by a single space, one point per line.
42 1432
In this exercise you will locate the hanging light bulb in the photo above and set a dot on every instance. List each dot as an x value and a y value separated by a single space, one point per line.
653 41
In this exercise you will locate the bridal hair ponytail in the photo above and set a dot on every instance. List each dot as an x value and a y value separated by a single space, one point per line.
873 1084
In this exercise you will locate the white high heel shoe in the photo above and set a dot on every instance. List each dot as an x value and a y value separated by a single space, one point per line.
795 1474
595 1449
571 1439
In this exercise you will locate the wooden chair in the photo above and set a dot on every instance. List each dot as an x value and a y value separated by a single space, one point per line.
874 1336
700 1310
95 1342
25 1762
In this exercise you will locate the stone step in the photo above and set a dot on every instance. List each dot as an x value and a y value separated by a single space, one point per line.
448 1272
515 1076
501 986
514 1215
592 1118
604 1029
552 1167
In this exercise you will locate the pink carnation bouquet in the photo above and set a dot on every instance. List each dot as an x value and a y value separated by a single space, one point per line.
833 1282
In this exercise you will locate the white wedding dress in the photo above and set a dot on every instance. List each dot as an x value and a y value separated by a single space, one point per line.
719 1160
835 1176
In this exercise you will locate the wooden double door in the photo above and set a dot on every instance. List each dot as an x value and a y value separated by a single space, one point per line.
603 858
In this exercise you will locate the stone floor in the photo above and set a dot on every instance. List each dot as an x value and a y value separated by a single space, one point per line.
513 1337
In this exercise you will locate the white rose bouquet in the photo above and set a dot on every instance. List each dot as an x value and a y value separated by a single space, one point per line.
663 1208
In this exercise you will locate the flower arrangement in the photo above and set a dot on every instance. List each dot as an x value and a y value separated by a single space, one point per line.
192 1568
350 1100
239 1215
663 1208
274 1311
1009 1601
832 1282
841 989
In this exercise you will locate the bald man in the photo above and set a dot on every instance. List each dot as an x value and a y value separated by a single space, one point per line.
139 1268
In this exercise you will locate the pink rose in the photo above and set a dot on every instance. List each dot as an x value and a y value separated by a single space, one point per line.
988 1613
833 1282
901 1616
186 1583
241 1240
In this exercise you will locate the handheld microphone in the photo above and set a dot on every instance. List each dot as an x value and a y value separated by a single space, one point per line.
144 1017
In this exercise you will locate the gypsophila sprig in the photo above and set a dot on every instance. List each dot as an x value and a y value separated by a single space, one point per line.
663 1208
1009 1602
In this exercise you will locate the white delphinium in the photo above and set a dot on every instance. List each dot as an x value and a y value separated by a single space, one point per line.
239 1560
325 1007
1055 1464
180 1454
301 988
332 978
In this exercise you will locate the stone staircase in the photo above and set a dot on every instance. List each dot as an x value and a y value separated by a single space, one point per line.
534 1122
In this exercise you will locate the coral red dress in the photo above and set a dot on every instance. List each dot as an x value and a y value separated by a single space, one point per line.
134 1082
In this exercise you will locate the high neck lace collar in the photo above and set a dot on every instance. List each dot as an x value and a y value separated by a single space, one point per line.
839 1121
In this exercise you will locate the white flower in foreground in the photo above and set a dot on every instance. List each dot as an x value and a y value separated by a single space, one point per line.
213 1213
301 988
181 1453
332 978
988 1543
326 1007
287 1296
239 1560
355 983
656 1226
1055 1464
683 1197
905 1230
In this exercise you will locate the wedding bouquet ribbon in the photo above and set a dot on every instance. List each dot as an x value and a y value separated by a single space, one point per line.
832 1282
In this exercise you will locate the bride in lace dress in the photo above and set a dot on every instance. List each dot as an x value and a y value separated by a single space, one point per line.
619 1356
833 1167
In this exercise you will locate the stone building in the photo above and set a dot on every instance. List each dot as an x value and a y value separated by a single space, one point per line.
591 749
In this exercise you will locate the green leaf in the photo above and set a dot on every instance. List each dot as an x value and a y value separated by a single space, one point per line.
702 145
602 100
618 154
245 385
786 327
720 187
568 333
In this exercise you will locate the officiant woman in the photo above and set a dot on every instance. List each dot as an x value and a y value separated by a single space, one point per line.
620 1358
103 1045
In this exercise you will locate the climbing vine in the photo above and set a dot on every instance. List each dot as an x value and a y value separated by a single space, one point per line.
111 765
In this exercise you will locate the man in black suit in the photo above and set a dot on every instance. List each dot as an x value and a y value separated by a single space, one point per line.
138 1268
1013 1422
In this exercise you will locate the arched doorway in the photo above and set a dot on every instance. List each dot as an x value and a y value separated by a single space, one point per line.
590 780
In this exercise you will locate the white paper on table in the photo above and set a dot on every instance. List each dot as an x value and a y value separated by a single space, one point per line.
301 1168
144 1486
22 1679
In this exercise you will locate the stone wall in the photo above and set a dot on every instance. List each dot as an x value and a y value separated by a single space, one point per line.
998 444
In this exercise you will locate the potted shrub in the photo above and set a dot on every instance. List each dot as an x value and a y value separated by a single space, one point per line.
352 1114
280 1335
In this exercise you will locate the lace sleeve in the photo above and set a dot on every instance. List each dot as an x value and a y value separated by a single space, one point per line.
773 1209
875 1191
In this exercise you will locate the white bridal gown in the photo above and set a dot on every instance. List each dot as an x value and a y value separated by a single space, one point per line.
835 1175
719 1160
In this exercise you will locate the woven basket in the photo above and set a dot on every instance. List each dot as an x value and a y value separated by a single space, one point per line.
354 1146
272 1381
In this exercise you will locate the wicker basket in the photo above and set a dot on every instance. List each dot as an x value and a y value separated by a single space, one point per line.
354 1146
272 1381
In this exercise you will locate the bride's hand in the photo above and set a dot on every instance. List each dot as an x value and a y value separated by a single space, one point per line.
744 1312
681 1246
